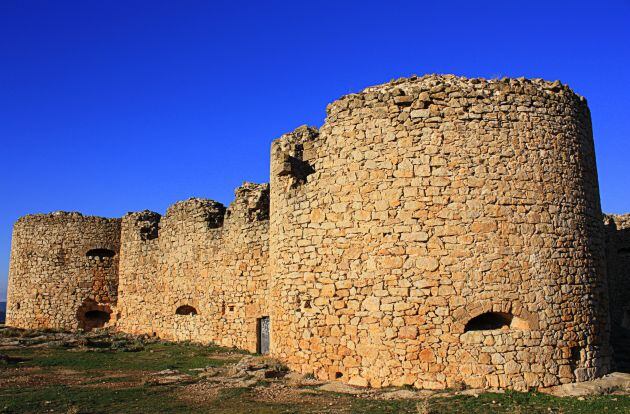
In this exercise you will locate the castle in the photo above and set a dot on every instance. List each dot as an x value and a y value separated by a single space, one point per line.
435 231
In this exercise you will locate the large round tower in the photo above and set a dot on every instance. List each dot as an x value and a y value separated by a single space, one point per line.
441 230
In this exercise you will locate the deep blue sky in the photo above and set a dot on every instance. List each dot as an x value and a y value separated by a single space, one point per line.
114 106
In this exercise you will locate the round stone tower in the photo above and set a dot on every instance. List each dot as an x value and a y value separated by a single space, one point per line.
438 231
63 272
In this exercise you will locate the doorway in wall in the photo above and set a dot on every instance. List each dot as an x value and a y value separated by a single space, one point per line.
262 346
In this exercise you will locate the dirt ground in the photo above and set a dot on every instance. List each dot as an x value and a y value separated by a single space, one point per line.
105 372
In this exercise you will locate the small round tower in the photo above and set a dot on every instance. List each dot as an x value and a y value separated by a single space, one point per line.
63 272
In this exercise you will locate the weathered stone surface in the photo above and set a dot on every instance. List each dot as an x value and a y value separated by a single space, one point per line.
434 232
63 265
616 382
206 257
466 199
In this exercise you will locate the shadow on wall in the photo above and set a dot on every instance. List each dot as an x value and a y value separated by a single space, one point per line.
619 285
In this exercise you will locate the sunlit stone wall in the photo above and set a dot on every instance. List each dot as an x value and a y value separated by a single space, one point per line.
438 231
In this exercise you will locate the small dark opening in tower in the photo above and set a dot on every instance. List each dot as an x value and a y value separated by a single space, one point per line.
231 308
338 375
17 306
575 358
93 315
186 310
100 253
97 316
95 319
489 321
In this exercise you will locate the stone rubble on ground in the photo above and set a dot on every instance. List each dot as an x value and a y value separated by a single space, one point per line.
615 383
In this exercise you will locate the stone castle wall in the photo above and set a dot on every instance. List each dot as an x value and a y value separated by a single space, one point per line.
63 271
422 204
198 255
618 253
434 231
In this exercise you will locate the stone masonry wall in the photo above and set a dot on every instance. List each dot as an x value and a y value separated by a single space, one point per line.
430 206
63 270
434 231
199 255
618 254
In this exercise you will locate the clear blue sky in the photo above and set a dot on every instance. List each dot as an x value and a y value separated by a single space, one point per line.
114 106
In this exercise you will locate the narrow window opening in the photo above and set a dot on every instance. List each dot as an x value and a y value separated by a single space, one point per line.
307 304
17 306
100 254
489 321
338 375
231 308
186 310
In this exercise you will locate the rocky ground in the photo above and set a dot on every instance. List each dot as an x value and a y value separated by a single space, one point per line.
104 372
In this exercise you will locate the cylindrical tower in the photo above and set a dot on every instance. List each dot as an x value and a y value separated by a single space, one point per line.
63 272
441 230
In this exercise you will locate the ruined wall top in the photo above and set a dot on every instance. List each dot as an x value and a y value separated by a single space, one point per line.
59 217
621 221
198 210
419 92
251 202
